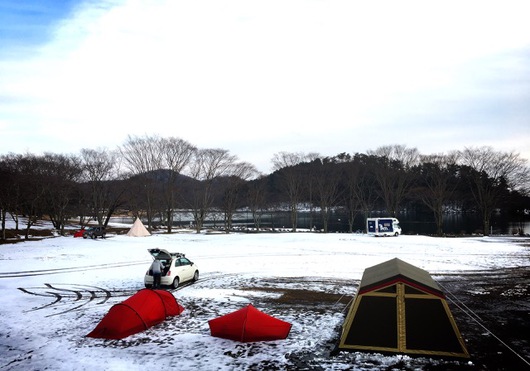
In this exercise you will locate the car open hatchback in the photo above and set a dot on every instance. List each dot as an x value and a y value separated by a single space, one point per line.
176 269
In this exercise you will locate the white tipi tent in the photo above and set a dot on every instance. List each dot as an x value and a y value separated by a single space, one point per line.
138 229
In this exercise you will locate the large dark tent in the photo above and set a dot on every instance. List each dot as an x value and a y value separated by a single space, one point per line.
399 308
144 309
249 324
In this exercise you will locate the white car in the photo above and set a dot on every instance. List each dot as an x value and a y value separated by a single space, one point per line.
177 269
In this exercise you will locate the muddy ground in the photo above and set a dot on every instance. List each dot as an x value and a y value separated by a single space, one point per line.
491 309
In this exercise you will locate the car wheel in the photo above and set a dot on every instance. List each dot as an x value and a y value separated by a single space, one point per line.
93 236
85 236
175 283
196 276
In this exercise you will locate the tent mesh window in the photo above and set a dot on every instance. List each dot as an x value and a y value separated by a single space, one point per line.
422 314
388 290
375 323
412 291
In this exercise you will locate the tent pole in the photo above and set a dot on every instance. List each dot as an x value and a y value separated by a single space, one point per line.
401 325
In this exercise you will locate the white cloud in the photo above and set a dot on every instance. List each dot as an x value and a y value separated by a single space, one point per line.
274 73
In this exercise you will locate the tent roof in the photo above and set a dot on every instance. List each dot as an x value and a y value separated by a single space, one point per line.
138 229
144 309
249 324
395 270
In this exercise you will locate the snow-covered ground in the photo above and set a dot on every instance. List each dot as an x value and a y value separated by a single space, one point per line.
55 291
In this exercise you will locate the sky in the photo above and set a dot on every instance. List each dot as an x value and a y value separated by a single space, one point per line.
261 77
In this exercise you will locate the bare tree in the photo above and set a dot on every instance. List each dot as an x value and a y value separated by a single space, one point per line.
207 165
327 179
492 172
236 179
257 199
61 174
101 171
292 179
32 189
176 155
438 181
360 194
393 173
143 157
44 185
9 191
309 180
39 185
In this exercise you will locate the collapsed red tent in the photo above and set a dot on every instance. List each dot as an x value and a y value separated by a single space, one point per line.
144 309
249 324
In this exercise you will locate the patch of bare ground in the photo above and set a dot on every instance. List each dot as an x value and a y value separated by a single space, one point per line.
492 311
17 235
302 297
36 234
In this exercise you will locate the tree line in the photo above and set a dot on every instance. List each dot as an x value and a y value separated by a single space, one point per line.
152 177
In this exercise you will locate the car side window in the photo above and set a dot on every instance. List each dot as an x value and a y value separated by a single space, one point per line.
184 261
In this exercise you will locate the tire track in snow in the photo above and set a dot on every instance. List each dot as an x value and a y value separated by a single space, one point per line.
68 270
76 293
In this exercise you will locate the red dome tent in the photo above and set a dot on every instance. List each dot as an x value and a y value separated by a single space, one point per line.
144 309
249 324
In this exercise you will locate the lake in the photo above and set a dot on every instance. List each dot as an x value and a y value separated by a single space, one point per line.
411 223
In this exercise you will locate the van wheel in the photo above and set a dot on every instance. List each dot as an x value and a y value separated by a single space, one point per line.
196 276
175 283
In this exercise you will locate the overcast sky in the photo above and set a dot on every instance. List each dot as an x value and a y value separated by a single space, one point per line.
260 77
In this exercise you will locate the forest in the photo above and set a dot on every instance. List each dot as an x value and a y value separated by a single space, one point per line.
152 177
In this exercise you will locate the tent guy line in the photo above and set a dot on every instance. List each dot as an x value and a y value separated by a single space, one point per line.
476 318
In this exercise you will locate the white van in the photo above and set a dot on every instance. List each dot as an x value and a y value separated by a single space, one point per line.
382 227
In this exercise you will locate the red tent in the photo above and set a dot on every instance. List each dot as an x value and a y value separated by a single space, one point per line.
144 309
249 324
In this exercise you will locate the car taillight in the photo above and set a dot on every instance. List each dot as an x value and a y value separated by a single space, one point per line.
168 273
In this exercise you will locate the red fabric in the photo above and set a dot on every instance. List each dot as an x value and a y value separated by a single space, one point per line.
144 309
249 324
79 233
